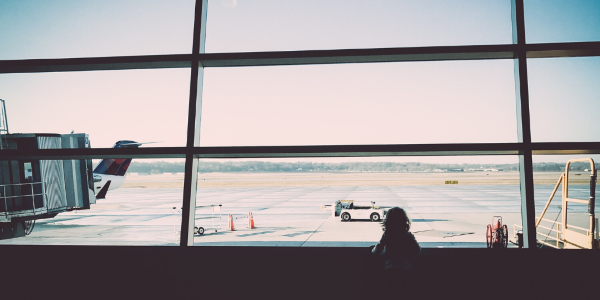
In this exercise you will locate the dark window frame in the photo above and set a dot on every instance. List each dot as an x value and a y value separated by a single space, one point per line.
519 51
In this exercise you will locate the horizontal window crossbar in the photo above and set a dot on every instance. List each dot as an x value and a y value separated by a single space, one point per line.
358 56
478 52
357 150
147 152
96 63
308 151
565 148
563 50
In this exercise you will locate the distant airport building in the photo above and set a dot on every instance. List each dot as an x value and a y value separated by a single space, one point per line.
448 170
485 170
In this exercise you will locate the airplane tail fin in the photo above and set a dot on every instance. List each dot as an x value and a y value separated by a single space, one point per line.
116 166
109 166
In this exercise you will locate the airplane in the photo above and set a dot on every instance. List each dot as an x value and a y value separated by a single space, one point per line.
109 173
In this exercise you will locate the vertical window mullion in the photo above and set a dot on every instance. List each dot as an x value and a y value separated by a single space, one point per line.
523 126
188 214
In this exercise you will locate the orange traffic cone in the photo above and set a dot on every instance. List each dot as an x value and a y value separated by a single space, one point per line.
250 221
230 224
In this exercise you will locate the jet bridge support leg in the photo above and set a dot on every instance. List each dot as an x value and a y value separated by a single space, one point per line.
12 230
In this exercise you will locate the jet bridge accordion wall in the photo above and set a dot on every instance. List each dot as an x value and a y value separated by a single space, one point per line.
53 175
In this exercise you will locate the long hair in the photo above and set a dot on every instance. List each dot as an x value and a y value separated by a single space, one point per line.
396 220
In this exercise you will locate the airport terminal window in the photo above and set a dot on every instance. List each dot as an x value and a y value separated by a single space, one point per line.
286 25
107 105
70 28
292 202
141 207
549 174
134 87
564 89
393 103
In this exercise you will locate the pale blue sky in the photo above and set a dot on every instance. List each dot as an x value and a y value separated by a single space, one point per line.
564 99
74 28
380 103
424 102
139 105
276 25
84 28
555 21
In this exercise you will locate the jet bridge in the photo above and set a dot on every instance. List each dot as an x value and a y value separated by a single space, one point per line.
39 189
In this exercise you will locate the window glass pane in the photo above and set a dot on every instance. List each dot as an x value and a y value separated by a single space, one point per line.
564 99
381 103
136 105
77 202
562 21
450 200
547 175
73 28
280 25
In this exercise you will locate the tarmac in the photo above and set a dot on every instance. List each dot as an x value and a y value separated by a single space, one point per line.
442 216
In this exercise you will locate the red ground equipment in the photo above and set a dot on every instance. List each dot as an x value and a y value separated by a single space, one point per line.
497 234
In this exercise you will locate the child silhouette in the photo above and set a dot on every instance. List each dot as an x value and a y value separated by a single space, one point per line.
396 252
397 246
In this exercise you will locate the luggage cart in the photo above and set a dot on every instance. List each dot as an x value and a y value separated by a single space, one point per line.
214 223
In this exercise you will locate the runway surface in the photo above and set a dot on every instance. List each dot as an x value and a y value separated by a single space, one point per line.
443 215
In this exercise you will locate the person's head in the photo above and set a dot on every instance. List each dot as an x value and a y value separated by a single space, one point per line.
396 220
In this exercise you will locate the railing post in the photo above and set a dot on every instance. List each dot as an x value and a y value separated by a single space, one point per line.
32 198
5 204
44 195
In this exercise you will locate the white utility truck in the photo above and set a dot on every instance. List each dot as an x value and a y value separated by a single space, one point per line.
347 210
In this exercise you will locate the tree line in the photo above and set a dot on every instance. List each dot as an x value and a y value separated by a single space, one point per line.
264 166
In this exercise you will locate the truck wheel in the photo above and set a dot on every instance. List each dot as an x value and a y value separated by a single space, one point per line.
345 217
195 230
375 217
200 230
488 236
